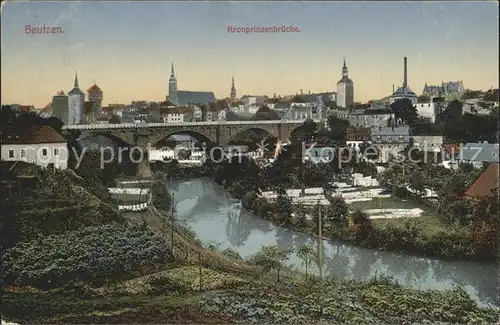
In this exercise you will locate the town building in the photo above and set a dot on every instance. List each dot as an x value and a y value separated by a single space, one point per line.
95 94
345 89
355 137
445 89
76 104
340 112
23 108
252 100
427 110
477 106
486 185
327 98
40 145
90 111
60 106
430 143
478 154
390 141
183 97
405 91
376 114
46 111
197 112
178 114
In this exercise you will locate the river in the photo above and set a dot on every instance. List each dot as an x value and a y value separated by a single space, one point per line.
218 219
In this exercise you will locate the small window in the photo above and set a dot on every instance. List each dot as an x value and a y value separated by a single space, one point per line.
44 152
23 153
11 153
56 151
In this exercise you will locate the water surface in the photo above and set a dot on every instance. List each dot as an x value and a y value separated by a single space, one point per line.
220 220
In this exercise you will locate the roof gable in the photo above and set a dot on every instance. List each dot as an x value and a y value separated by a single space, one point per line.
94 88
485 183
33 134
194 97
485 152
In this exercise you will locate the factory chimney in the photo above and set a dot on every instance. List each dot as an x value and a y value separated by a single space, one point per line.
405 82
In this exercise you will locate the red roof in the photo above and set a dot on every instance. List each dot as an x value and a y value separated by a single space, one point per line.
95 88
31 135
485 183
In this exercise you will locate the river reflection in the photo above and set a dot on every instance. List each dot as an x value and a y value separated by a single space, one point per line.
218 219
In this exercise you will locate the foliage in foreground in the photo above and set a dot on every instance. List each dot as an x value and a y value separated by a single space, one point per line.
348 302
91 255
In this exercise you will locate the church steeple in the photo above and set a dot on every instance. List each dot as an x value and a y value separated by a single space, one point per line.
233 91
172 87
345 72
76 80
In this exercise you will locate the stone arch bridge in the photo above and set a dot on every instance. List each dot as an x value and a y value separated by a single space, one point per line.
147 135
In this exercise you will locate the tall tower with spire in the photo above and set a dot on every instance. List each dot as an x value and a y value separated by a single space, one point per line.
172 88
345 89
76 104
233 91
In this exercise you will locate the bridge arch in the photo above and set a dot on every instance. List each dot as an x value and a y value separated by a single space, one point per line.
118 139
198 136
252 134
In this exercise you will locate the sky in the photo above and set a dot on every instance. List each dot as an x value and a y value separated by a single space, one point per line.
127 47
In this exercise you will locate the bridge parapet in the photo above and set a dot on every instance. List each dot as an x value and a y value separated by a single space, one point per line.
160 125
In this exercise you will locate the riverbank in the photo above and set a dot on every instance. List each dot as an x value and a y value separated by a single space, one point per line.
200 285
409 237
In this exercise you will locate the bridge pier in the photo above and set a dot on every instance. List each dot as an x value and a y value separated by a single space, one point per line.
144 169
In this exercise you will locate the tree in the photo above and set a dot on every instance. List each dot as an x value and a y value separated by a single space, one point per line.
271 258
337 128
306 132
284 207
368 151
416 182
306 253
115 119
423 99
362 224
403 109
10 116
337 211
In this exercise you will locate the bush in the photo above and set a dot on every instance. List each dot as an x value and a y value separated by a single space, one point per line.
91 255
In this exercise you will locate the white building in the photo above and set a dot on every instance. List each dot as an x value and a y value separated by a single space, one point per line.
252 100
427 110
76 105
197 113
40 145
429 143
179 114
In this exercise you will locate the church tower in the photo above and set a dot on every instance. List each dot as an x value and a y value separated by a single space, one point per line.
345 89
76 103
172 88
233 92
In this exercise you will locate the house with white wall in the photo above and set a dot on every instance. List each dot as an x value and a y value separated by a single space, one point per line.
427 110
40 145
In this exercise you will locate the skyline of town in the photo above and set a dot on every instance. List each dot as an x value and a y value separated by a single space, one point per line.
288 62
